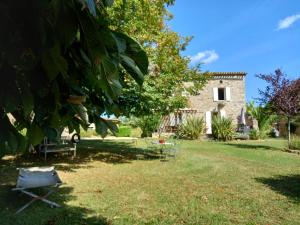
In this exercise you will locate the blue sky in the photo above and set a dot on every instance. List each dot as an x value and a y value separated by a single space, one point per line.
255 36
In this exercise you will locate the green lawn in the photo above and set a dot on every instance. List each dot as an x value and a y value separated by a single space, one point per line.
245 182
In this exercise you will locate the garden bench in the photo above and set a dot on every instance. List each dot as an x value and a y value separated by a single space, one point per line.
66 146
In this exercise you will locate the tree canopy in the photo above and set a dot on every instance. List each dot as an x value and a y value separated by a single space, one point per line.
282 95
168 71
59 61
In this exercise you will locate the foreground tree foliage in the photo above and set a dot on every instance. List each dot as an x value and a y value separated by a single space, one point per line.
282 95
162 90
61 65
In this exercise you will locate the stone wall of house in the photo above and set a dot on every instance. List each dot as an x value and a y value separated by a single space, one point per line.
204 101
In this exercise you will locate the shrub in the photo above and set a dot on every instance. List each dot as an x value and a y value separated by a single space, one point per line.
257 134
123 131
148 124
222 128
136 132
191 129
254 134
295 142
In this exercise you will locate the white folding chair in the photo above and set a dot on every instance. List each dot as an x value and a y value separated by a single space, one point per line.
37 177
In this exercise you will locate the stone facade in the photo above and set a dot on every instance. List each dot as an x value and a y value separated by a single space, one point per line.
223 95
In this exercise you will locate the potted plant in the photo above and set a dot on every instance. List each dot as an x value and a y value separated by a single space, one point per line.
161 141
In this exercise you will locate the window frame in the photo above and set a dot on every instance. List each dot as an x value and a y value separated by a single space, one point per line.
224 93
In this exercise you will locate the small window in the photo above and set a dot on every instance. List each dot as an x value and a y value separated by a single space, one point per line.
221 93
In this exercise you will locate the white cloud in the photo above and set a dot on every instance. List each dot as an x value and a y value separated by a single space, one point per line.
288 21
205 57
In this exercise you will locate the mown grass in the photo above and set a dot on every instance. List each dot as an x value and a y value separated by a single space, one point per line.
245 182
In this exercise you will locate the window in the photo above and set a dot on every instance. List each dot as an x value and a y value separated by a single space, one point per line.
221 94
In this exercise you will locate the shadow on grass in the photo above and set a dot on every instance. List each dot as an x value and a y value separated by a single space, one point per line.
253 146
113 152
40 213
285 185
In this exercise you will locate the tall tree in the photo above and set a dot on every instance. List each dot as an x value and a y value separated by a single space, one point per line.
54 54
162 90
282 94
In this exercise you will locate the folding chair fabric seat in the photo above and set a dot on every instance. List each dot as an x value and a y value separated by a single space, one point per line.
37 177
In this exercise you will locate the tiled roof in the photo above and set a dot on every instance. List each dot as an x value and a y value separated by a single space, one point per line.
227 73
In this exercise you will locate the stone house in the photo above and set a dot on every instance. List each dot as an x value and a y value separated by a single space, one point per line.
224 95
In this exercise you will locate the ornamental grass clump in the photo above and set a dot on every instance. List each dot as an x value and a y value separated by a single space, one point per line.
295 142
191 129
222 129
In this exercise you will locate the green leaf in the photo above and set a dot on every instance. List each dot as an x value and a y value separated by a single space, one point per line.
55 91
26 98
111 126
120 42
135 52
85 57
109 78
108 3
54 63
22 143
35 135
101 128
82 113
131 67
55 120
67 25
51 133
12 141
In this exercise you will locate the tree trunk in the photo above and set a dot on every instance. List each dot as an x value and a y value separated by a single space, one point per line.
289 132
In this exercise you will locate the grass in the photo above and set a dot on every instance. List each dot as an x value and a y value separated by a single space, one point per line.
124 131
295 142
242 182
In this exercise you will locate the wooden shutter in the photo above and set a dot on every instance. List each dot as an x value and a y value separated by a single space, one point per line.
208 122
215 90
227 94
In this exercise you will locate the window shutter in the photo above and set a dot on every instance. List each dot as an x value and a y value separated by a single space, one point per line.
208 122
223 113
228 94
215 94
